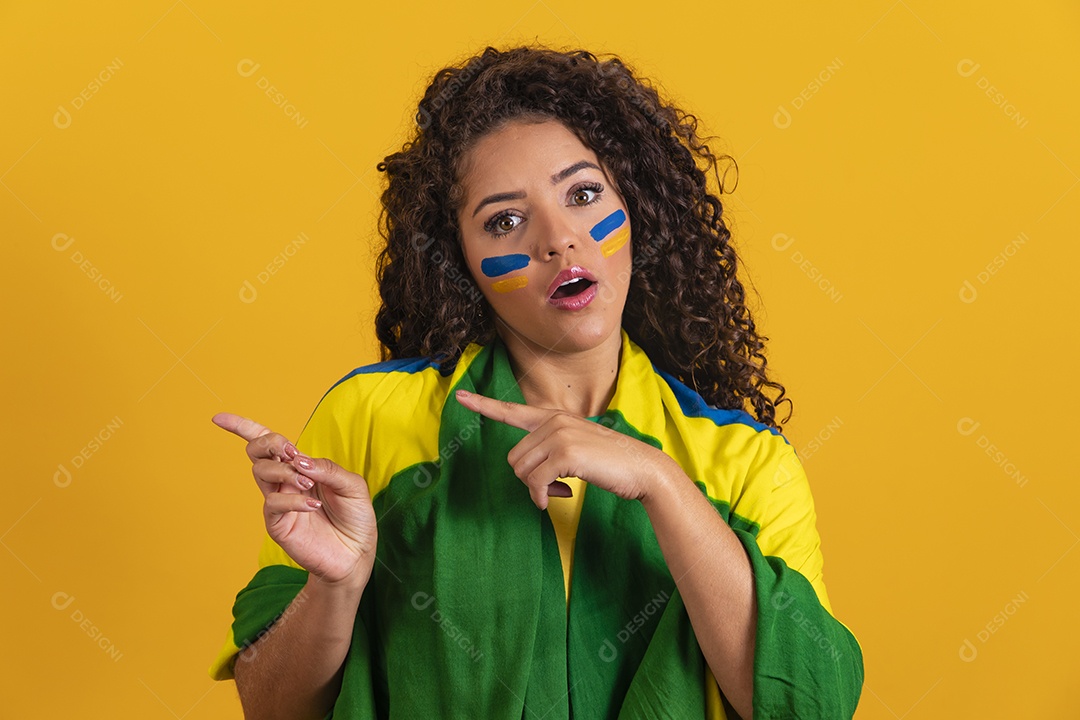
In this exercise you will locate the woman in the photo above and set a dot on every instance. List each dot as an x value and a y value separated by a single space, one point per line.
577 516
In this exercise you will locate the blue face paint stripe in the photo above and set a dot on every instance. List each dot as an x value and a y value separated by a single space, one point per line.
495 266
605 226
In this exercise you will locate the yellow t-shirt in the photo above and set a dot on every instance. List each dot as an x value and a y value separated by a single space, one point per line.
564 513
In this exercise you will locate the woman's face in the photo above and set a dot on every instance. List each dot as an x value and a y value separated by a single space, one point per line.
539 207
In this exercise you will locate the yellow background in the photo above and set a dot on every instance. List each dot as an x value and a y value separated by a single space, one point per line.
893 174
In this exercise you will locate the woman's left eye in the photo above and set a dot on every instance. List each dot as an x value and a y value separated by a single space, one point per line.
582 191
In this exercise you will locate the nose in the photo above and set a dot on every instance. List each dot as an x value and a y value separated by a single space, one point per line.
558 234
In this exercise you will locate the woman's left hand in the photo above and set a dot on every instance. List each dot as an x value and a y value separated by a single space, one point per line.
562 445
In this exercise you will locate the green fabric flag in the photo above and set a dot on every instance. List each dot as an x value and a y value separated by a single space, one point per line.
465 614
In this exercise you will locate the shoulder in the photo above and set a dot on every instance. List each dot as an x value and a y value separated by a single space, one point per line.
692 405
382 417
728 445
381 383
753 472
725 449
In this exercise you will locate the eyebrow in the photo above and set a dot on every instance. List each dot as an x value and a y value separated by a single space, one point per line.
555 180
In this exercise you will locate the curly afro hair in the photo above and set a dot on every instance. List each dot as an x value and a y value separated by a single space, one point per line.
685 307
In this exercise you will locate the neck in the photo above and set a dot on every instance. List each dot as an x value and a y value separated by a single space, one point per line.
580 382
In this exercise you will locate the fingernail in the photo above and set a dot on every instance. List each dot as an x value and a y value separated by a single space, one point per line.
305 463
289 450
463 393
304 482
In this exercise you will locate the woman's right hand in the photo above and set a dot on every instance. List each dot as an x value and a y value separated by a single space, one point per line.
321 516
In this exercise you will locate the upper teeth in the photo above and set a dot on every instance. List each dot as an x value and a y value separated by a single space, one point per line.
570 281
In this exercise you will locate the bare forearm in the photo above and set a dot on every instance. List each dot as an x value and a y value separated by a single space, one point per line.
713 574
295 669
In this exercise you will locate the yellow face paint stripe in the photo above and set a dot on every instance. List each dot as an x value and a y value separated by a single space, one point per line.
510 284
612 244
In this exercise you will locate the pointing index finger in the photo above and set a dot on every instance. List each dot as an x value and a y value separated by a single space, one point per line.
242 426
512 413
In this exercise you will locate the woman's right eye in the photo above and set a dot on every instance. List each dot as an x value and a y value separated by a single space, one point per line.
501 225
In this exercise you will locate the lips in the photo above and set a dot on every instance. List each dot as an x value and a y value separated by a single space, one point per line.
572 273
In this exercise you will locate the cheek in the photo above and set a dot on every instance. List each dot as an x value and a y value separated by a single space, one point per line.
500 265
612 233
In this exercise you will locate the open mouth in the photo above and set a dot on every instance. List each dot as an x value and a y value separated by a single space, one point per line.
570 288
